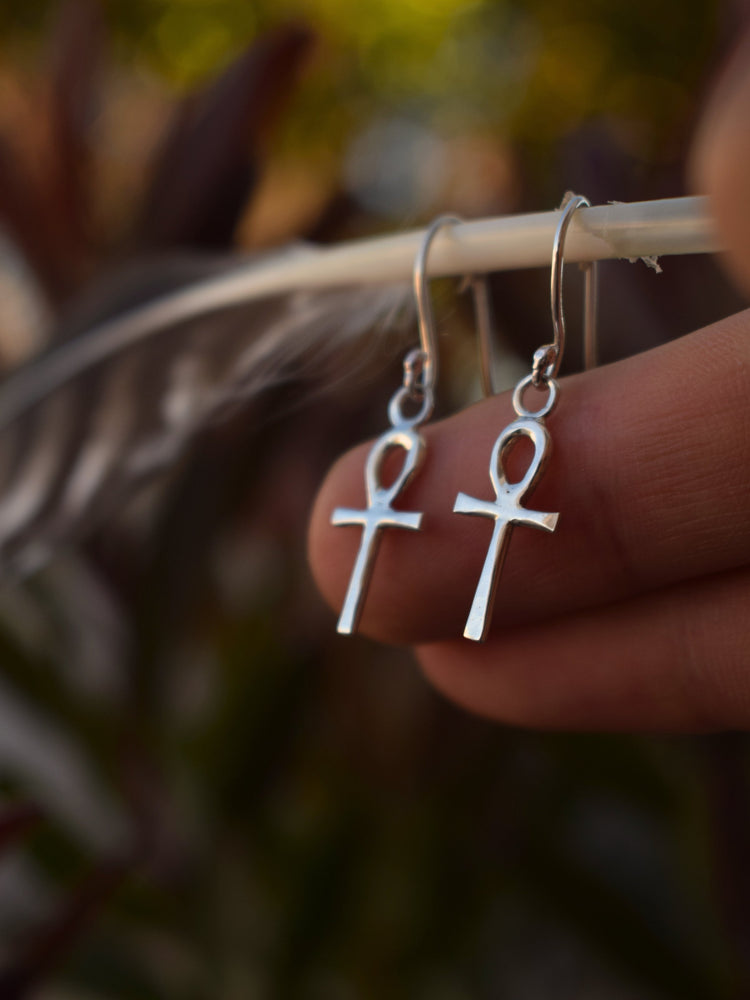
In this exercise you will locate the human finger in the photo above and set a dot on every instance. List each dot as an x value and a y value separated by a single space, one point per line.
675 660
650 475
720 158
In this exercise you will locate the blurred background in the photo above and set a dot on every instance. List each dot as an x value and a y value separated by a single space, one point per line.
204 792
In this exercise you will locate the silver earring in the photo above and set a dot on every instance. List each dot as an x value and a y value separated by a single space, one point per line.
416 392
506 509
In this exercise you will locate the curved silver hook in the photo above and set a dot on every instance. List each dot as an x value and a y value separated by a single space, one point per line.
483 318
426 319
425 315
548 363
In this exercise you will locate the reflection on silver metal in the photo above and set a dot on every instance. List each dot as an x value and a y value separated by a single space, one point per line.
379 513
420 375
425 317
547 359
507 511
590 314
485 334
552 388
555 351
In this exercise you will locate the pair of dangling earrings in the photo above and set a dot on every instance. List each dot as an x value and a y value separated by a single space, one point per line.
417 392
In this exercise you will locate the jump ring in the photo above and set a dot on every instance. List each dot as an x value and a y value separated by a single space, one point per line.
396 413
552 388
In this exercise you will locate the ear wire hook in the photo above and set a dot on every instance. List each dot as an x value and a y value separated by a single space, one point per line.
426 356
547 360
425 315
483 317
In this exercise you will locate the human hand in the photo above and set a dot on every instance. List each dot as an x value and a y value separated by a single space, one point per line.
635 614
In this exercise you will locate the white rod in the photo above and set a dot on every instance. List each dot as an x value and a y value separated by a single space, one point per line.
639 229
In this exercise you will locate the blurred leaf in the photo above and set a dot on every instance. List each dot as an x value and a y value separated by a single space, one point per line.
51 947
208 163
75 85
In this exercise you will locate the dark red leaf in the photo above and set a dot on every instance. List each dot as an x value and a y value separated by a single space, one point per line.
53 945
27 211
208 163
15 821
77 58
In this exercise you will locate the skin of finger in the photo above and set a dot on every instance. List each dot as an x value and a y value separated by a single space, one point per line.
650 474
676 660
719 164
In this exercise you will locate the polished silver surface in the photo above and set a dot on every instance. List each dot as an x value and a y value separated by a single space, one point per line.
527 382
416 395
590 315
404 395
425 317
547 359
485 335
379 513
507 511
554 351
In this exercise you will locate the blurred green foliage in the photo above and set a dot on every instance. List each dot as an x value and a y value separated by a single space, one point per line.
534 67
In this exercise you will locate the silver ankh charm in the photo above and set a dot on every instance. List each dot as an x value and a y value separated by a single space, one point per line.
378 514
507 511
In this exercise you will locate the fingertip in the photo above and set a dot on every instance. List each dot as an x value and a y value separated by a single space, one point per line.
720 160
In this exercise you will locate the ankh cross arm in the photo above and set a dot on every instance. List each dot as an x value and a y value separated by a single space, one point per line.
507 511
378 514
